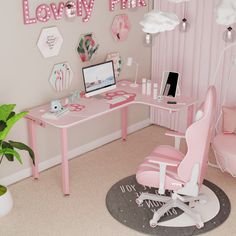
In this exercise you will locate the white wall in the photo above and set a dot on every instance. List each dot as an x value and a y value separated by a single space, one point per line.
24 72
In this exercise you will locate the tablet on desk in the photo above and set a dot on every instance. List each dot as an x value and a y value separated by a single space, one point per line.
169 83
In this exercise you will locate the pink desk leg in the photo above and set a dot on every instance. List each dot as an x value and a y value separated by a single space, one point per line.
32 141
190 115
65 167
124 112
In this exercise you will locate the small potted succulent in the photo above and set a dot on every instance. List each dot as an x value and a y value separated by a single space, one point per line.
8 150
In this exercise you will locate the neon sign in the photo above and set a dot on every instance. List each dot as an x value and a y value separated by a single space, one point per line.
76 8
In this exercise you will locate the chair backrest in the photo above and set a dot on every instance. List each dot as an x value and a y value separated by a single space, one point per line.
198 137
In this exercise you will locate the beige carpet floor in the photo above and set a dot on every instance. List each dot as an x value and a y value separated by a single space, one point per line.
40 209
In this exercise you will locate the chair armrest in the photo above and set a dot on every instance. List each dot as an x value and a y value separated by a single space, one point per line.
175 134
162 161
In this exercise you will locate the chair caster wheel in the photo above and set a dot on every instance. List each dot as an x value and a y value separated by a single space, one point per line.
200 225
139 202
152 223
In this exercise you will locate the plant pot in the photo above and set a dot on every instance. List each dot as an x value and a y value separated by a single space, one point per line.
6 201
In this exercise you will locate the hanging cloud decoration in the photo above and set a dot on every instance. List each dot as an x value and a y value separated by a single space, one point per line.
157 21
226 12
178 1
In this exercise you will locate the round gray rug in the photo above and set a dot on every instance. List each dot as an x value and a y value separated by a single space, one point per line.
120 202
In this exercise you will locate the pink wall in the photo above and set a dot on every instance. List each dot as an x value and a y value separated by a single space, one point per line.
194 54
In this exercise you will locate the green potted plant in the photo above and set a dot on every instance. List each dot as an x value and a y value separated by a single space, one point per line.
8 150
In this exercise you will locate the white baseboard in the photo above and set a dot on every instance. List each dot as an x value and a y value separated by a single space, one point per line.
72 153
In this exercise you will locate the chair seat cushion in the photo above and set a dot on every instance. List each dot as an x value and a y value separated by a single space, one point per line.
167 150
224 146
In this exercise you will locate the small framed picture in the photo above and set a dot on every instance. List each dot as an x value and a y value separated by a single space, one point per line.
50 42
87 47
117 62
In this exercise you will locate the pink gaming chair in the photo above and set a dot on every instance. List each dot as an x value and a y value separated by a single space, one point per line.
168 169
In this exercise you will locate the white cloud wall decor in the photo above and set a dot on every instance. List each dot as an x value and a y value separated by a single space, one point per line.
226 12
157 21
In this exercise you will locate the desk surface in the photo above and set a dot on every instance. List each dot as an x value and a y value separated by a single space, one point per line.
94 107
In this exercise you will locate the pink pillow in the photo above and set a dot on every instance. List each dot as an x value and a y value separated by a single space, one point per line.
229 120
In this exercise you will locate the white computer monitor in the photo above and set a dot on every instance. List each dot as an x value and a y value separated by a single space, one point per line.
99 78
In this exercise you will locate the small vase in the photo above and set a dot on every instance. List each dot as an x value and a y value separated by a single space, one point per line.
6 203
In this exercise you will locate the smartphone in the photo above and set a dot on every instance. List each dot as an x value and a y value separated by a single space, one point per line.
171 84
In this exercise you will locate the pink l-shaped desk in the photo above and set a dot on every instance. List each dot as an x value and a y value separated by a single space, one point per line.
92 108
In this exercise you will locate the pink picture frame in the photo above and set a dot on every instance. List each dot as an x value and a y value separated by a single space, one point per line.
117 62
87 47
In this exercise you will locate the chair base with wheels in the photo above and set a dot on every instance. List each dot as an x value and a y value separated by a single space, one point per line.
175 201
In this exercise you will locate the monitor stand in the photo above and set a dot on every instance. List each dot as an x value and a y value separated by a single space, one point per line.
99 96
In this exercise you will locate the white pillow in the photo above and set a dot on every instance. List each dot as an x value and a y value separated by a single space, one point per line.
229 119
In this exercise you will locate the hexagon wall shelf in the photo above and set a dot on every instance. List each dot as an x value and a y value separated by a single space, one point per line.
50 42
61 77
120 27
87 47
